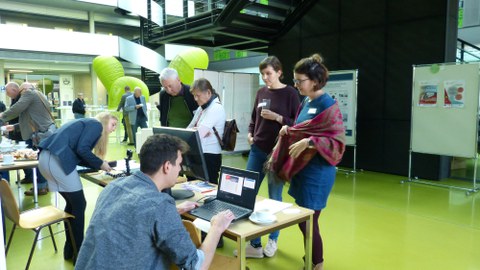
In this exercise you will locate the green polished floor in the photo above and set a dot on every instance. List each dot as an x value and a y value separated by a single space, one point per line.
371 222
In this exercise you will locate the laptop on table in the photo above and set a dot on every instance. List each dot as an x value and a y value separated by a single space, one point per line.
237 190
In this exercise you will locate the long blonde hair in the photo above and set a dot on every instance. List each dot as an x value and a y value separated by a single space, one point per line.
100 149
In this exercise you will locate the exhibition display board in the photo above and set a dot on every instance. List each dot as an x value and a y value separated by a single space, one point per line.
342 86
445 107
237 94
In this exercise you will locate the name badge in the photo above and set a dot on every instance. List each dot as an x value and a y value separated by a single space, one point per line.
312 110
261 104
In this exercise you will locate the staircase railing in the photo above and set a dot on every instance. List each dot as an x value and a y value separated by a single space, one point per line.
467 52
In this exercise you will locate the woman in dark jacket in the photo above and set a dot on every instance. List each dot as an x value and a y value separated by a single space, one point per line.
69 146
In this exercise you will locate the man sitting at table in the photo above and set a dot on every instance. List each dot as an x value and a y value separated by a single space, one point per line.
136 226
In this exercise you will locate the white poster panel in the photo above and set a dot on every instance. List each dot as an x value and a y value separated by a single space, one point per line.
342 86
446 125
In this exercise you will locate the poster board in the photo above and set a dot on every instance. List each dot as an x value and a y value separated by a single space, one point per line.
342 86
237 94
445 102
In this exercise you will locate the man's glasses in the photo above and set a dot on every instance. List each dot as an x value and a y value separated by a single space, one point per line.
295 81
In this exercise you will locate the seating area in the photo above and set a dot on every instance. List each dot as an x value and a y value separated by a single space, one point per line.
371 222
34 219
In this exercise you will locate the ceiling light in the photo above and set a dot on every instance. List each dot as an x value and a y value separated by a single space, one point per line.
21 71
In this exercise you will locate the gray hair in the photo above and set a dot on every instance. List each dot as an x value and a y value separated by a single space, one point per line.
168 73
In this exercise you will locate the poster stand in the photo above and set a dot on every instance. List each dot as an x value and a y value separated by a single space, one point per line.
354 169
445 106
342 86
468 191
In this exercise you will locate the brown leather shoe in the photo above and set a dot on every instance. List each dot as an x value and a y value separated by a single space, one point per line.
41 191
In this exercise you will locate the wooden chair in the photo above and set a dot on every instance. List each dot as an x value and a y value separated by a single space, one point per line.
220 262
34 219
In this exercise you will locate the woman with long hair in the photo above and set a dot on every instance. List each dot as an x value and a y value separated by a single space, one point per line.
60 153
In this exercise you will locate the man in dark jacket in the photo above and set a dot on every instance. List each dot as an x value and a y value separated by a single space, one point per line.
78 107
125 122
177 104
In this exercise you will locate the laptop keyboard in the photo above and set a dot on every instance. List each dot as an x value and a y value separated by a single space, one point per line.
217 206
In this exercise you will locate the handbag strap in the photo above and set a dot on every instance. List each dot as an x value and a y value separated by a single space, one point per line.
218 136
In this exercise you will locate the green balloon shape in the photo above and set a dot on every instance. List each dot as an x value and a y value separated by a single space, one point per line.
117 90
108 69
186 61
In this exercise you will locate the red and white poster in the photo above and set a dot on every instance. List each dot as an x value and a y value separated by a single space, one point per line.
428 94
454 94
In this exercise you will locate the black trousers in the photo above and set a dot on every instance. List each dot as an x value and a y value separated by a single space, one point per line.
214 161
76 205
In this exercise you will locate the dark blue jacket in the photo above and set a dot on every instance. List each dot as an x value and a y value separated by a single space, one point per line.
73 143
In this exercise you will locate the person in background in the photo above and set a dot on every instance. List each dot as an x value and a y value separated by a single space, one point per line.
307 152
17 136
5 174
177 105
32 110
125 121
275 105
152 235
78 107
209 115
136 107
69 146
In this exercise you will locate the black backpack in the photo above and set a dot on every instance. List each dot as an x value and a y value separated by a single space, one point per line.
229 139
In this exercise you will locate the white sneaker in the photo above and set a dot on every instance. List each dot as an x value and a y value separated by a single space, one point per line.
270 248
251 252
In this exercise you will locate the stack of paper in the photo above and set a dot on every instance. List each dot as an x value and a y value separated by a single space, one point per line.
271 205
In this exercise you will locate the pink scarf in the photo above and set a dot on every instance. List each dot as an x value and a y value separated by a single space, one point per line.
327 132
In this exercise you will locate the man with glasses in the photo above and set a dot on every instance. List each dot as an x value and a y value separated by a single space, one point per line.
32 110
176 102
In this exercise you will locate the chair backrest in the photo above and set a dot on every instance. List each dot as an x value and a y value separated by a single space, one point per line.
193 231
9 204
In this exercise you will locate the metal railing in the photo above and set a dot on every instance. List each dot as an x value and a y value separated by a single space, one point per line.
467 52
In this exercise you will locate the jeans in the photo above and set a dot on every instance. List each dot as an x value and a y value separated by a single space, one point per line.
255 162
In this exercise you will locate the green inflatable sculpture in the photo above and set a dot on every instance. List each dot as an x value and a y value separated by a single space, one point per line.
186 61
110 72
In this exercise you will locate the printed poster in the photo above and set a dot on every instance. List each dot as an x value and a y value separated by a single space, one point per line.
454 94
340 87
428 94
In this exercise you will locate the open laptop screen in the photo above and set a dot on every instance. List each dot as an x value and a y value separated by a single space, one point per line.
238 186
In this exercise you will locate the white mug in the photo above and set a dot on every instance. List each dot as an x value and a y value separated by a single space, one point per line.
7 159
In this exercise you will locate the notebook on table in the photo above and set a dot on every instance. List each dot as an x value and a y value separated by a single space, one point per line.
237 190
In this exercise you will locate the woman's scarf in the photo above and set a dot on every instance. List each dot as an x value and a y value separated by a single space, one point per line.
327 132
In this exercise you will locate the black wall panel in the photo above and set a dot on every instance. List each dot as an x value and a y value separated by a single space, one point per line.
362 14
383 39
